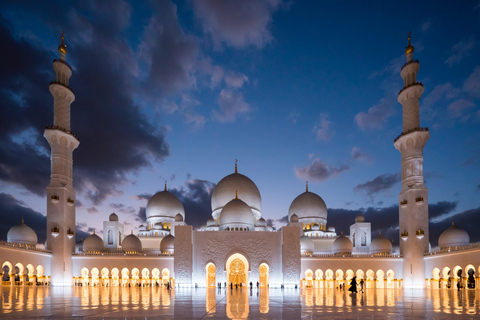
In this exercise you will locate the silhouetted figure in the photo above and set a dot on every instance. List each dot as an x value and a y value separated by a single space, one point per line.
459 282
251 285
353 285
225 285
361 285
236 285
231 285
258 284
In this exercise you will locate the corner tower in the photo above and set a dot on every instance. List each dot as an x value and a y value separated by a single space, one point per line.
60 192
413 197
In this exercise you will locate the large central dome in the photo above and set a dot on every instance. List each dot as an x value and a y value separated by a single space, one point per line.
164 204
225 191
308 205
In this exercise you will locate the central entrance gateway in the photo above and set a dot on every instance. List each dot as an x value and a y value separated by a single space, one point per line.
237 270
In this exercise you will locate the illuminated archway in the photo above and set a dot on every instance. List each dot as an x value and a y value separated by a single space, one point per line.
264 275
211 275
165 275
237 269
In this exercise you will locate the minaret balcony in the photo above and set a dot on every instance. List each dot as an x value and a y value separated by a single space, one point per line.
410 131
63 85
404 235
55 199
71 202
419 201
70 234
420 233
55 231
411 85
62 129
413 61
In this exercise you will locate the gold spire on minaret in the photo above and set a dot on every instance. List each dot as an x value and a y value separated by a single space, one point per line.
22 222
236 194
62 48
165 185
409 48
236 170
307 186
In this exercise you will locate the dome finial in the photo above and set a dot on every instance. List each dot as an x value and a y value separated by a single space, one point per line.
131 231
236 194
380 233
307 186
409 49
342 233
236 170
452 224
93 231
62 48
165 185
22 221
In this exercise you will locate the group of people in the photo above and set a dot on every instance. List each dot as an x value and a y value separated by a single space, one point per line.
353 285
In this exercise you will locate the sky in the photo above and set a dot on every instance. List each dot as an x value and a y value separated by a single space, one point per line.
295 90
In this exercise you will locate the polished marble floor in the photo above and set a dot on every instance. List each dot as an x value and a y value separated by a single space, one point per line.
185 303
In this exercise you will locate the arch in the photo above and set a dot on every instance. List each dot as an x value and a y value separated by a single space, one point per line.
135 273
104 273
84 272
455 271
115 273
210 270
370 274
390 274
40 271
110 236
470 274
145 273
446 273
264 275
380 278
95 272
469 267
156 273
329 274
166 273
20 267
125 273
360 274
318 274
9 265
237 269
30 270
349 274
339 274
436 273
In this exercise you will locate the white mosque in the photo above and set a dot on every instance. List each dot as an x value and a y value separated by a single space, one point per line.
237 245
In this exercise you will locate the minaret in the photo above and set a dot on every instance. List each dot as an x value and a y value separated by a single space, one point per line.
60 192
413 197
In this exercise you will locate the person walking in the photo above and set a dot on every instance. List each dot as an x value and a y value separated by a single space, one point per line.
361 285
353 285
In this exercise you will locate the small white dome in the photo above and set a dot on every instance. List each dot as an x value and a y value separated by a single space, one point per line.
359 218
308 205
168 244
211 223
294 218
381 245
315 227
225 191
157 226
164 204
331 229
22 234
342 245
269 228
306 245
113 217
236 213
452 237
131 243
142 228
93 243
178 218
261 222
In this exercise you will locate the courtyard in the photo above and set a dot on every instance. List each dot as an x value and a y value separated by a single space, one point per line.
19 302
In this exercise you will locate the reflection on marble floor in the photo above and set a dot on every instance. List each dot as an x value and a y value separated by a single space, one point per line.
148 302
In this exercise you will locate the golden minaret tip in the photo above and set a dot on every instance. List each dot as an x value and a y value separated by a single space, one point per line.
236 170
409 48
307 187
62 48
165 185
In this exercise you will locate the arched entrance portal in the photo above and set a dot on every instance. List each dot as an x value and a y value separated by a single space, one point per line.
263 275
211 275
237 270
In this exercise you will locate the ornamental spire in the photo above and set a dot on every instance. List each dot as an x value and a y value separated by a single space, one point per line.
236 170
62 48
307 186
409 48
236 194
165 185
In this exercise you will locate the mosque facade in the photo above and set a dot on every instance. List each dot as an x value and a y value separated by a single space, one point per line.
236 245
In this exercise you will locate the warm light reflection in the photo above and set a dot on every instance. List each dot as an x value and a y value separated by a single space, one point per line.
21 301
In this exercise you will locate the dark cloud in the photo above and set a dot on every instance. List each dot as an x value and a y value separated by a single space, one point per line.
143 196
122 208
237 23
376 116
141 215
358 154
232 105
319 171
195 197
116 138
441 208
381 183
